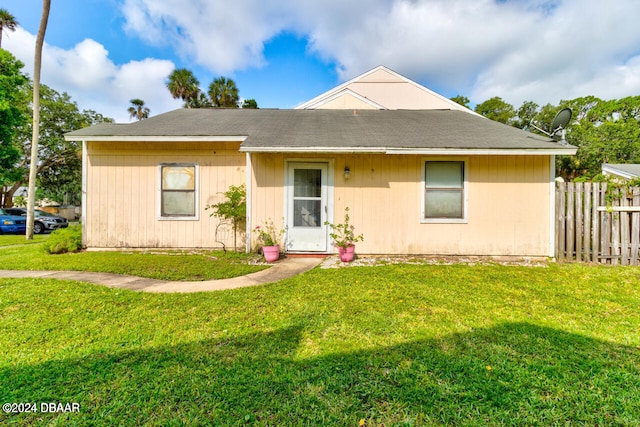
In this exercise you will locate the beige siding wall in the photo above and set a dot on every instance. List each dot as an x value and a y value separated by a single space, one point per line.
122 206
397 96
508 203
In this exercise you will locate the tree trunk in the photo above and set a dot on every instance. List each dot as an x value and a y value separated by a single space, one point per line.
7 196
33 169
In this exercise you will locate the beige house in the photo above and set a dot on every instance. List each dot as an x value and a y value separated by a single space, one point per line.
434 178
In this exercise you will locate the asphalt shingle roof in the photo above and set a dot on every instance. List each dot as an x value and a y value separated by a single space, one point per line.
630 168
266 129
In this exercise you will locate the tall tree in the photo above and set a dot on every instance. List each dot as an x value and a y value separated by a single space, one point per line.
462 100
13 116
137 110
7 22
37 66
525 115
59 161
183 84
496 109
224 93
604 131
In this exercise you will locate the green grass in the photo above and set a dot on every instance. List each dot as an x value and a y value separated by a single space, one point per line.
397 345
167 266
20 239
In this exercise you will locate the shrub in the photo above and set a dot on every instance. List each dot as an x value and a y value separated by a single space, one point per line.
234 208
64 240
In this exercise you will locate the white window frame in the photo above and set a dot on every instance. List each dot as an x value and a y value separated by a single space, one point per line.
196 195
465 192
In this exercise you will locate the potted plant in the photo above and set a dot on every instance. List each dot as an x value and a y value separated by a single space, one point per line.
270 239
344 237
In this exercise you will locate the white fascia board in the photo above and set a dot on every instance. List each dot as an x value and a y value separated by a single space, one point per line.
311 150
411 151
160 138
483 151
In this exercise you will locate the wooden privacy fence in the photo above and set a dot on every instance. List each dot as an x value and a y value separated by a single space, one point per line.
593 229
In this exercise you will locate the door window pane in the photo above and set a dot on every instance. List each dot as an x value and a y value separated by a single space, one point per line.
307 183
306 213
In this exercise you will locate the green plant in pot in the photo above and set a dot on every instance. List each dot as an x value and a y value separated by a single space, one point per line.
270 239
344 237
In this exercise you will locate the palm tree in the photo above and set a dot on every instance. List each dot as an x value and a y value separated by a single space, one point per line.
183 85
224 93
138 110
35 135
7 22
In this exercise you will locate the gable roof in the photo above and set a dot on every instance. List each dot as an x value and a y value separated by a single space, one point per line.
385 89
329 131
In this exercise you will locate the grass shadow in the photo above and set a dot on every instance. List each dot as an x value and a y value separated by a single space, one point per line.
512 374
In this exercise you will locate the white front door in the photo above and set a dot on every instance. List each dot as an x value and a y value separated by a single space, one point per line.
306 210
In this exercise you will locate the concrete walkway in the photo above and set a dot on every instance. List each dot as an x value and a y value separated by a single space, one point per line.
287 267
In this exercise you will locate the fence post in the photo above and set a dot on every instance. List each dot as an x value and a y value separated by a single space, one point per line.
635 228
625 235
571 237
615 234
605 228
579 188
588 194
595 222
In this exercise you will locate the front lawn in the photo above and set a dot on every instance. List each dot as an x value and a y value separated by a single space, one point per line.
396 345
167 266
20 239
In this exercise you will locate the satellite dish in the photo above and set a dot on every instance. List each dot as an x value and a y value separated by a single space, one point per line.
560 122
558 126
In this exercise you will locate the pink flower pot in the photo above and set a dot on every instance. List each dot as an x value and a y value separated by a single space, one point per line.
347 254
271 253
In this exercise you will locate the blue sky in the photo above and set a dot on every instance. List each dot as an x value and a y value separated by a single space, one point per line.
282 53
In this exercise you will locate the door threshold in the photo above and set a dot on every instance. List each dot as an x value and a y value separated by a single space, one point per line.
306 255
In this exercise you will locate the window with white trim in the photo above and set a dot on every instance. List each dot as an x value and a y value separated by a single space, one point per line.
178 190
444 191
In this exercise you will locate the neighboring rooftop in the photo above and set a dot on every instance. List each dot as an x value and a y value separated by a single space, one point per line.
627 171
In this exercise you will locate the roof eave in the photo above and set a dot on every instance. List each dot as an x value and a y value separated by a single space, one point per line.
417 151
485 151
157 138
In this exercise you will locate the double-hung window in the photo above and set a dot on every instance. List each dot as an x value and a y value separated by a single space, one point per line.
444 191
178 191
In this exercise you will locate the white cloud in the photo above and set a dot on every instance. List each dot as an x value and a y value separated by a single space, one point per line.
541 50
580 49
223 36
94 82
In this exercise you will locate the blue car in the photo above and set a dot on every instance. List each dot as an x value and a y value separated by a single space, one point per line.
42 221
12 223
